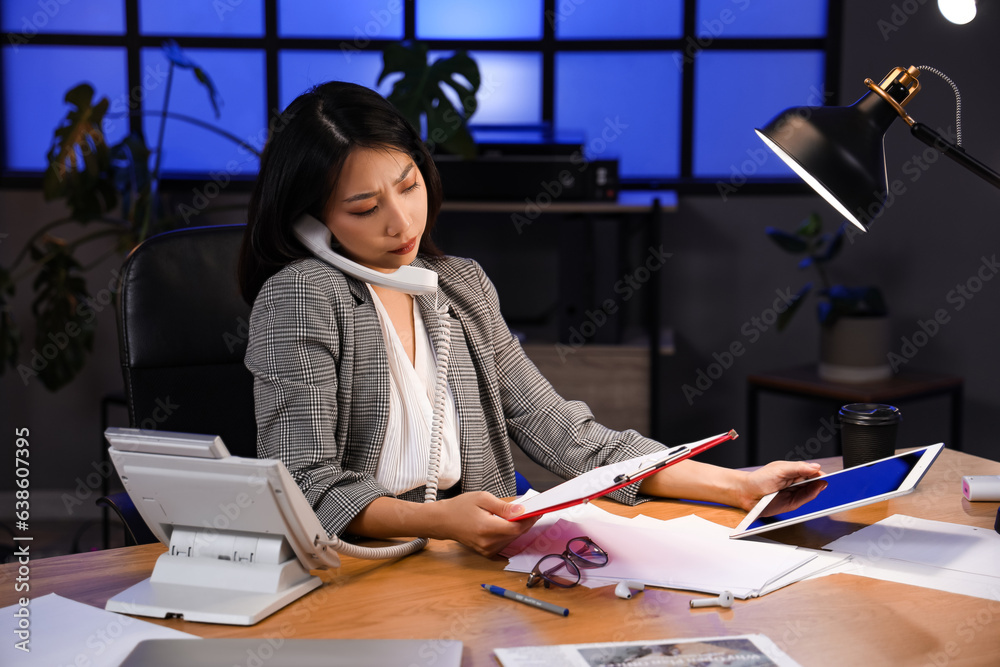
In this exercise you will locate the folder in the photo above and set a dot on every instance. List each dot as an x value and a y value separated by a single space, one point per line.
606 479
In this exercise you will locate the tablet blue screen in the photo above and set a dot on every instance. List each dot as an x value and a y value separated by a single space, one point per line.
848 486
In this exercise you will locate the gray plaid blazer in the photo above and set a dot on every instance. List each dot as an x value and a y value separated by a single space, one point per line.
321 389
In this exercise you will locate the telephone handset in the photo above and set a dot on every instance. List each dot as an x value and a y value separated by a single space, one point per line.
410 279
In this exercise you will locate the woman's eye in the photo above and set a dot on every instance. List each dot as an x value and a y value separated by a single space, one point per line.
365 214
415 185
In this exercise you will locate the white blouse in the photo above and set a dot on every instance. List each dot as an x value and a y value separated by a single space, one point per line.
405 454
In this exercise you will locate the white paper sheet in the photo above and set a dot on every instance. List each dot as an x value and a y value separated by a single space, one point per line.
692 554
66 632
925 576
936 543
583 512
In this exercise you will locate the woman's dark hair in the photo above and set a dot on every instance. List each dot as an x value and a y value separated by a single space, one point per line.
302 160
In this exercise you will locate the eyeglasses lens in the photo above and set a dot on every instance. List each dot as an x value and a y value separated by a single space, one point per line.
587 553
558 570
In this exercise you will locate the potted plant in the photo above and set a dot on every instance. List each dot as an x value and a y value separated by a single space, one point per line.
112 193
420 92
854 323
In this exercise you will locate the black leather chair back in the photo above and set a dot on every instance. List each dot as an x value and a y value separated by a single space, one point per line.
182 335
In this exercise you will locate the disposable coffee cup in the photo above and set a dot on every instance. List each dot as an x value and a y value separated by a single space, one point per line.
867 432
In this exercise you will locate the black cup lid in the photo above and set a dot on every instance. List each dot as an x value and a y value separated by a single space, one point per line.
870 414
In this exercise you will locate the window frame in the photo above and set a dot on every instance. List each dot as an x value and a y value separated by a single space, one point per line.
271 43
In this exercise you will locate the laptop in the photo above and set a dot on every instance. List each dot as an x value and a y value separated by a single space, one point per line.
279 652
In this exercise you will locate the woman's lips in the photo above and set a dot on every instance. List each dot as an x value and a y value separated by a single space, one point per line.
403 249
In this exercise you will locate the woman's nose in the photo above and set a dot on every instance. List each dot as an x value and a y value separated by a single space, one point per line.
398 219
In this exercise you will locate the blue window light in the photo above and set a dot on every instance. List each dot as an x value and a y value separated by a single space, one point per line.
27 18
239 78
773 18
236 18
483 19
36 79
627 104
301 70
736 91
618 19
358 21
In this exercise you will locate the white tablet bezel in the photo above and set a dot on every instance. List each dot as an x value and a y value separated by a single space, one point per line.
930 453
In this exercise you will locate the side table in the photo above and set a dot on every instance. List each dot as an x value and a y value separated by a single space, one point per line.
804 382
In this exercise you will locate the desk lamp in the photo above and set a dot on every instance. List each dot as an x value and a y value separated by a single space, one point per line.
839 150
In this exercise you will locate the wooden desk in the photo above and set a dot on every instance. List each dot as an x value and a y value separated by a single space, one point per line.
834 620
804 382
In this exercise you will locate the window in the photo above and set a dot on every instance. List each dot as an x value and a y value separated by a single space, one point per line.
670 88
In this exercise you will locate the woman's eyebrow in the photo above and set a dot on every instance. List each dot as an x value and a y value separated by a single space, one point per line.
369 195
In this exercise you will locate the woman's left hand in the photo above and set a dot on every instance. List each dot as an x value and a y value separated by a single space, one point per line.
776 476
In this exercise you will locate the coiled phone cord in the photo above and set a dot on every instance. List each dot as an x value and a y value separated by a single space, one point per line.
442 349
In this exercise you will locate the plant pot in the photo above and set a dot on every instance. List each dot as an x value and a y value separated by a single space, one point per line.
855 350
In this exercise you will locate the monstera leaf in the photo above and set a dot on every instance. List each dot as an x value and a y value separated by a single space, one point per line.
65 324
78 160
422 92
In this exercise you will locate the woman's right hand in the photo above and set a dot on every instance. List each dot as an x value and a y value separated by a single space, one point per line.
479 520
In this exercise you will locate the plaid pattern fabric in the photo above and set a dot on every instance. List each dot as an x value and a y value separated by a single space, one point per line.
321 388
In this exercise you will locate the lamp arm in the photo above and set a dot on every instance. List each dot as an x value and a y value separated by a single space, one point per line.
956 153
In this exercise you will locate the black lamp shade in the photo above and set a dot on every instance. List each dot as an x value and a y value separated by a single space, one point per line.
839 152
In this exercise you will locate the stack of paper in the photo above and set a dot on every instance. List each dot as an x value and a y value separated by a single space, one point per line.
688 553
920 552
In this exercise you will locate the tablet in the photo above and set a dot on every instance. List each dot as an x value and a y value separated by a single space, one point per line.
846 489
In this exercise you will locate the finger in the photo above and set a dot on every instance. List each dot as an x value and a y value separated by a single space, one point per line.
804 470
797 471
500 508
511 511
804 494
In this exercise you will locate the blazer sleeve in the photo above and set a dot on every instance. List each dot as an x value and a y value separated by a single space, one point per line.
560 435
293 353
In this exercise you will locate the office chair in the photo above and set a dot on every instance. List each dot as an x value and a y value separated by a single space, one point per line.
182 336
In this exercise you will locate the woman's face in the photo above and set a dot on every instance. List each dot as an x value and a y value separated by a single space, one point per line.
378 210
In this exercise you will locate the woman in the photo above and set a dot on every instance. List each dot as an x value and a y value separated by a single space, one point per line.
344 371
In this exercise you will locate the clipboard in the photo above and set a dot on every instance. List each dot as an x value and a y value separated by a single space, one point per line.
606 479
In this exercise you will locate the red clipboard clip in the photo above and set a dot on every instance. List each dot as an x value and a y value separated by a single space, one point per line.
624 479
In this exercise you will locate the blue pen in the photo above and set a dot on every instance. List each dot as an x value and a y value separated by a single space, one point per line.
547 606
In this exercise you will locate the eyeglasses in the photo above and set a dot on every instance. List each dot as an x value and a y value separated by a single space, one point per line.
563 569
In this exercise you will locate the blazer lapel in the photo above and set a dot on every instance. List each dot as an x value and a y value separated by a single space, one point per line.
369 392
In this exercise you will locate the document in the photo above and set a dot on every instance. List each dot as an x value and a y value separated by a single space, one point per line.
920 552
688 553
66 632
755 650
950 546
602 481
